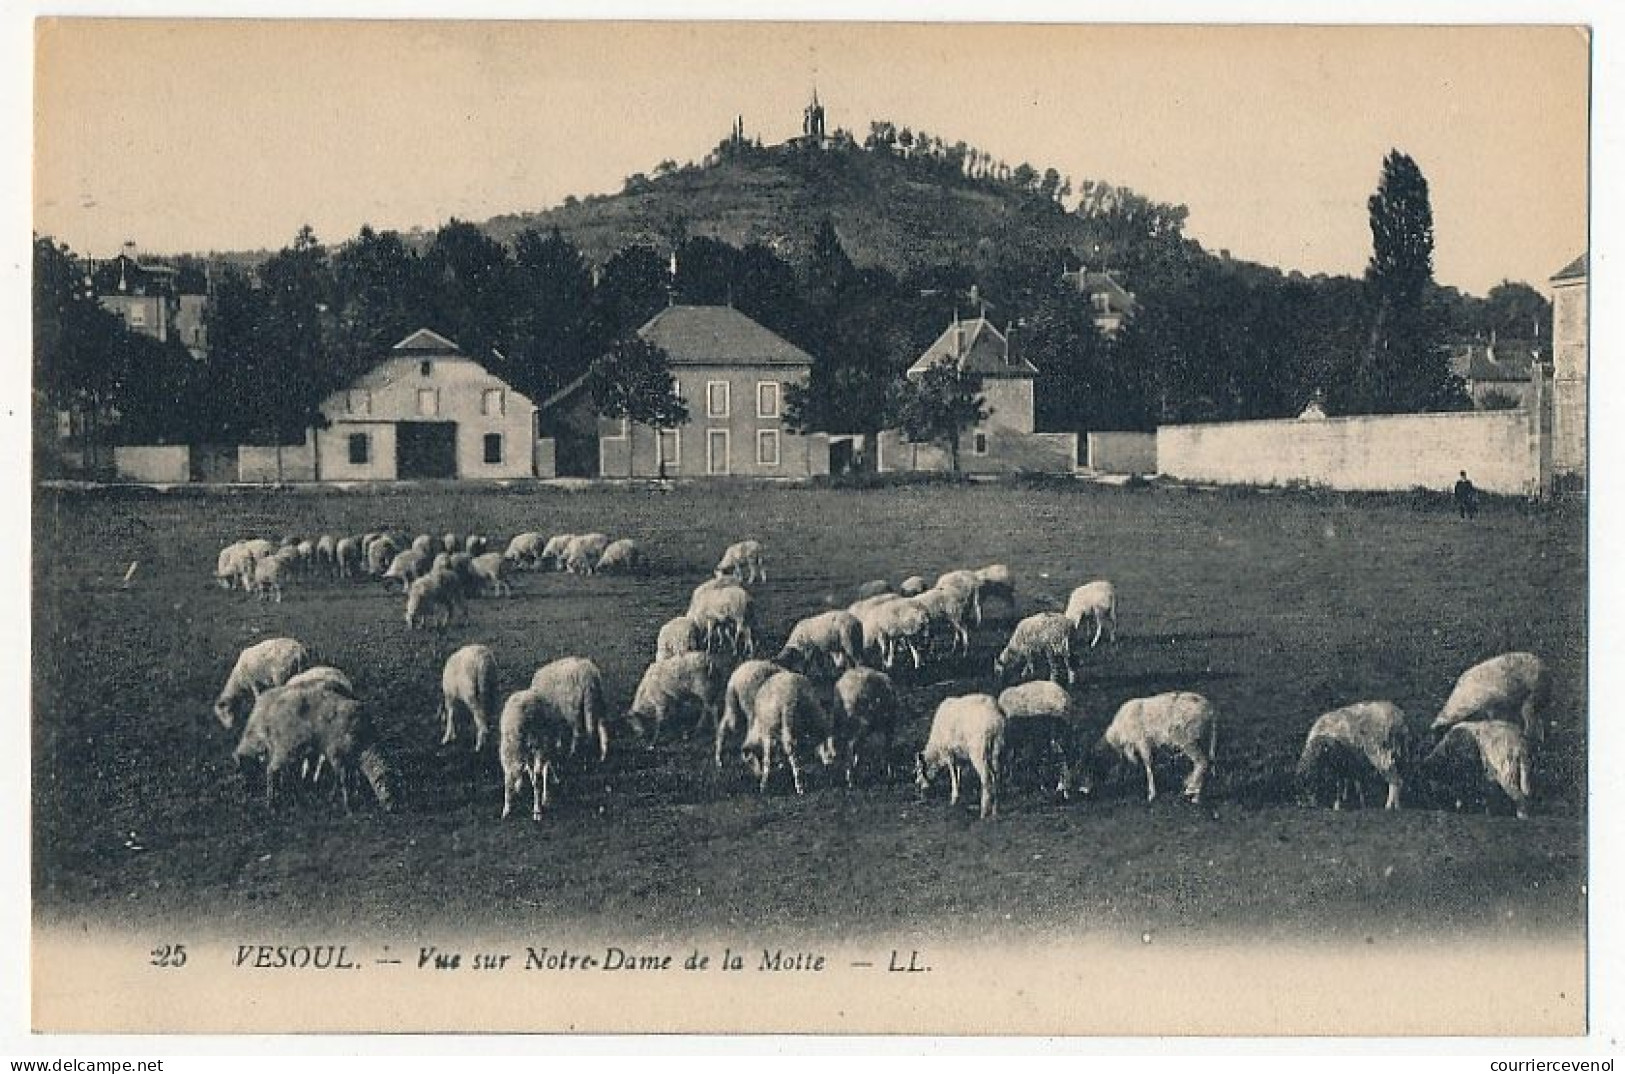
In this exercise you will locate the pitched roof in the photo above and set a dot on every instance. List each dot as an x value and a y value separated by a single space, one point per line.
977 347
718 335
1574 270
427 341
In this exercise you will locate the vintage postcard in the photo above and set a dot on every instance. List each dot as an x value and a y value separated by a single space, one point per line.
787 527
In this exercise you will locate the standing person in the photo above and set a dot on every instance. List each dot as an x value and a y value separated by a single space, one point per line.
1466 497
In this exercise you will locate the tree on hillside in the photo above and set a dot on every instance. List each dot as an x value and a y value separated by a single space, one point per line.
940 405
1405 367
632 380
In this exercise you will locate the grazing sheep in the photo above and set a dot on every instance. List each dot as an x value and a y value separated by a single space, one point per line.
307 554
582 554
433 599
624 556
575 687
315 721
525 550
229 566
680 635
380 554
690 680
874 588
744 561
899 623
534 735
326 553
259 667
969 587
727 614
967 729
835 637
1040 720
449 543
1185 722
739 700
997 580
1046 636
347 558
866 707
1097 602
475 544
323 675
946 609
259 547
1492 751
913 586
1347 742
553 549
789 718
468 683
425 545
269 574
1513 687
408 567
867 613
489 572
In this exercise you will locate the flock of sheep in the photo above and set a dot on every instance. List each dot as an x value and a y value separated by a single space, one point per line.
831 693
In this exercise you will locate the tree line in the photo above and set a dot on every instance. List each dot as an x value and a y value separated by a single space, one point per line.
1212 338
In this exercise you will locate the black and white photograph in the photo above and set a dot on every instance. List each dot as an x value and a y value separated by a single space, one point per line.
727 527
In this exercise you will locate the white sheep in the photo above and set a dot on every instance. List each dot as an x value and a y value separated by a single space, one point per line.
533 735
1041 719
913 586
475 544
873 589
270 573
997 580
866 707
488 572
323 675
693 680
898 624
727 614
524 550
1494 750
425 544
259 547
347 557
1045 636
1345 743
969 587
258 668
1097 602
433 599
678 636
788 718
947 610
449 543
326 553
739 701
575 687
623 556
468 684
1185 722
744 561
553 549
407 567
1513 687
965 730
835 637
380 553
229 566
582 554
315 721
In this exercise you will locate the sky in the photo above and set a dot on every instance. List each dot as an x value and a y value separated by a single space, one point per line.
192 135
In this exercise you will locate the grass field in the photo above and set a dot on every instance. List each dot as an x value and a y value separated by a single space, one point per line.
1277 607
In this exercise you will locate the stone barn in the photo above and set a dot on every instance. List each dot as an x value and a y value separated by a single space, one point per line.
426 411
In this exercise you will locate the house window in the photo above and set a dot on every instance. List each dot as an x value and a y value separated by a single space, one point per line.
979 444
358 402
767 447
493 447
360 449
428 402
491 402
767 399
716 399
671 449
425 368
